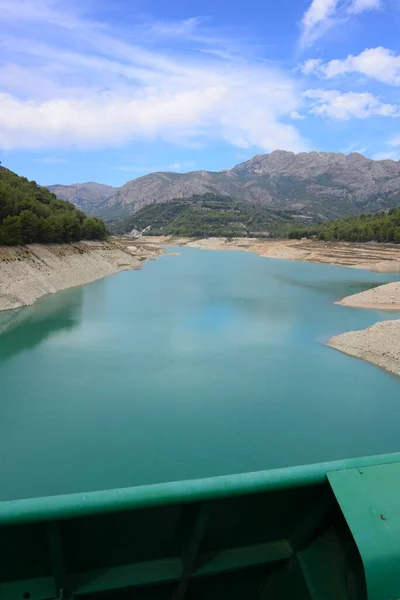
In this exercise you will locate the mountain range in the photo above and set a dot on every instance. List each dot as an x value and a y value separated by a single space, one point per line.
323 184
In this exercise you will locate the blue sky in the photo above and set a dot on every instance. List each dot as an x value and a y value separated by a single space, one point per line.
101 90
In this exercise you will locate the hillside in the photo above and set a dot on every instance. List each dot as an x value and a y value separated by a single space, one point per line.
30 213
367 227
84 195
209 215
326 184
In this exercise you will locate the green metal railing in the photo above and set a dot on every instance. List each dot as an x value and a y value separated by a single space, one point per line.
285 533
192 490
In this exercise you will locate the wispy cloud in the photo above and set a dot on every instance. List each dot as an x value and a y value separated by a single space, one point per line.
359 6
354 147
296 116
321 15
387 155
395 140
181 165
68 81
392 151
349 105
317 19
379 63
50 160
177 166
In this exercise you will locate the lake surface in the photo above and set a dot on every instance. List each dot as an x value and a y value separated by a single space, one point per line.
201 364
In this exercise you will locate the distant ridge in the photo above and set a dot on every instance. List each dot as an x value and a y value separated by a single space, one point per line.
325 184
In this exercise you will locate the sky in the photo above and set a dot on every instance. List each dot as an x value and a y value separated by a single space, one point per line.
110 90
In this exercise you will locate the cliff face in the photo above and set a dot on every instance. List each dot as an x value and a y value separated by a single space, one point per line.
29 272
324 183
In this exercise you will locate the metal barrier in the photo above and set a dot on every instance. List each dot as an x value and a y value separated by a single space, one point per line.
326 531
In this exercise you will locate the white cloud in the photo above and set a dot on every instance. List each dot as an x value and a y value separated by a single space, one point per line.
317 19
296 116
377 63
88 86
323 14
395 140
310 66
390 155
50 160
355 147
105 119
344 106
181 165
359 6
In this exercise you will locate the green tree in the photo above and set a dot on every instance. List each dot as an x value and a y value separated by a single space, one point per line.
46 231
72 230
29 224
379 227
93 229
56 225
10 231
30 213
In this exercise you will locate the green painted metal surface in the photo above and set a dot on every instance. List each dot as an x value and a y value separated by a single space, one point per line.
370 501
293 533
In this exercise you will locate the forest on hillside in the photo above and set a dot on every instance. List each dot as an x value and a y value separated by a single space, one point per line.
30 213
209 215
383 226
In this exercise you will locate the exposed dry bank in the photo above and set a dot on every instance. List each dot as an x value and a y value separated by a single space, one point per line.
30 272
376 257
379 344
383 297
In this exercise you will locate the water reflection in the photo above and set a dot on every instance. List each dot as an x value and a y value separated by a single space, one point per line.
26 328
338 288
203 364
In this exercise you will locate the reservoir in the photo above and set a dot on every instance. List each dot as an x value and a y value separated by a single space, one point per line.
201 364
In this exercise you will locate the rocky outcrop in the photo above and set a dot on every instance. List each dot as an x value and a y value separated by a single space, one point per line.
321 183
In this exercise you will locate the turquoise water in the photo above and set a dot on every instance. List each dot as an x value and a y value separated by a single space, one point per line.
201 364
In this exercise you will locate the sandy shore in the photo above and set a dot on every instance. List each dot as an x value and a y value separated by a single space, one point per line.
30 272
379 344
375 257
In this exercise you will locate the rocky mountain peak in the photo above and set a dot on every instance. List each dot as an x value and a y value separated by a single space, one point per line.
325 183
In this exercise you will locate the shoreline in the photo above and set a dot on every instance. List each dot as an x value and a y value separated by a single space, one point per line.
382 297
379 344
27 273
380 258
